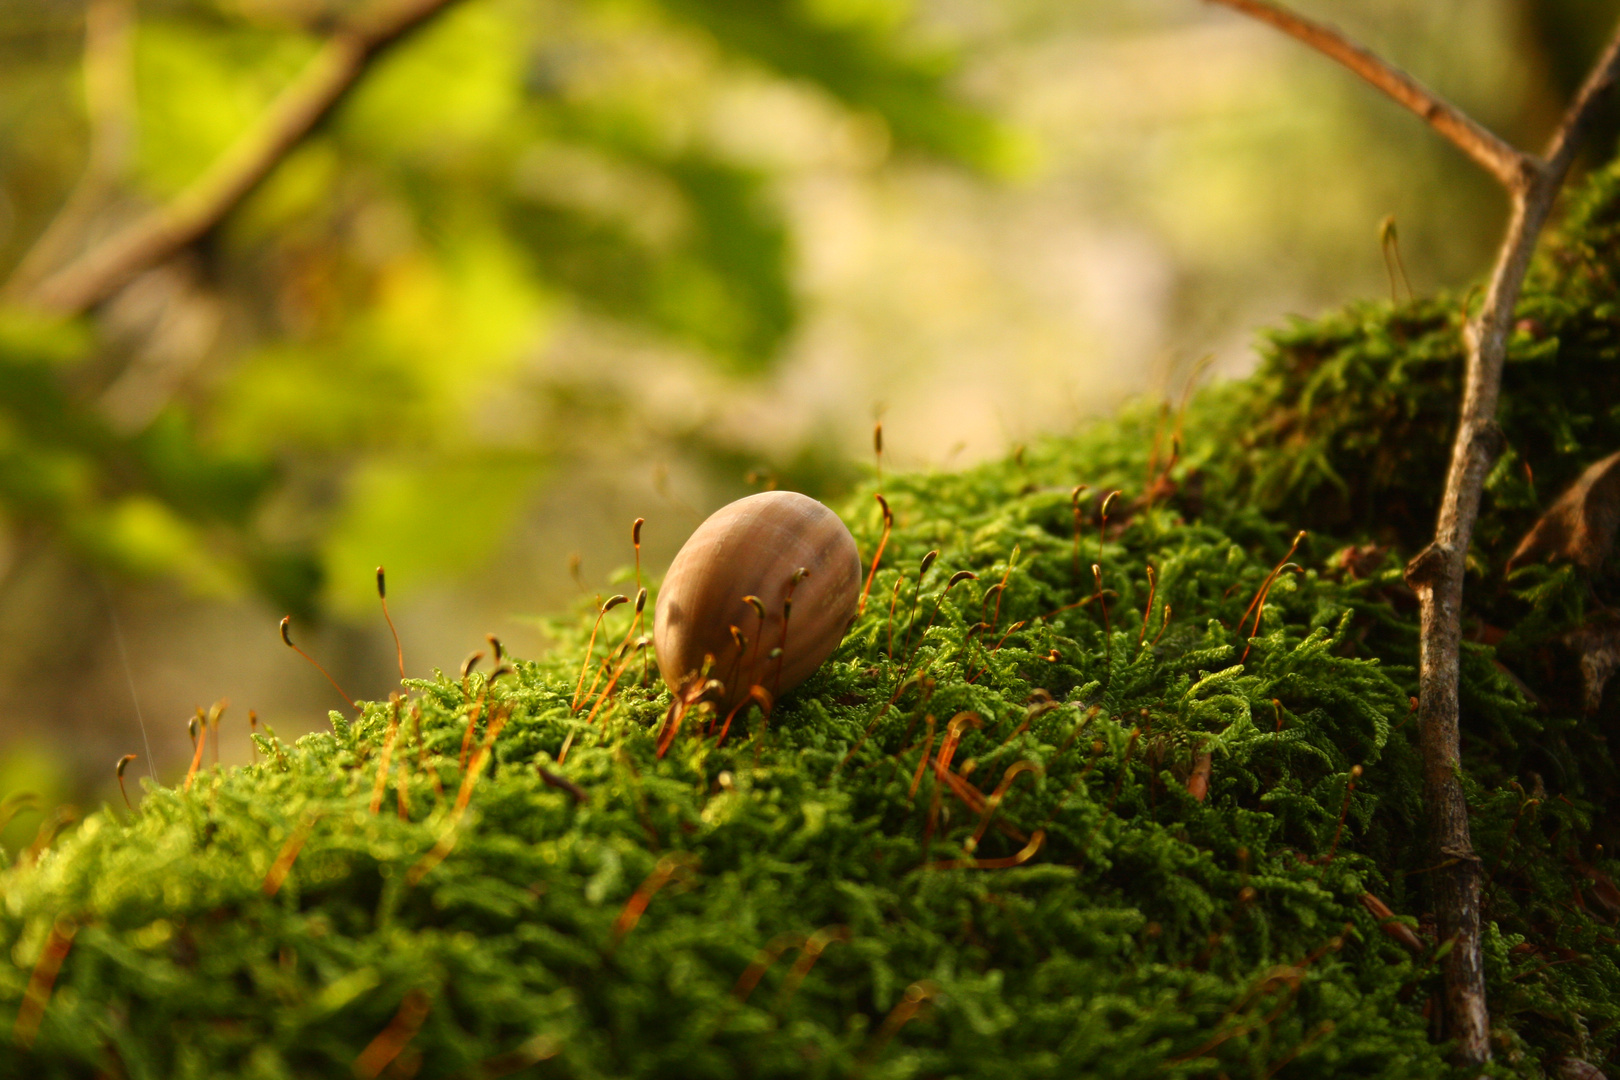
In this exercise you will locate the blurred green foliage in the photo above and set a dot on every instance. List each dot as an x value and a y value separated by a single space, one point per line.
368 313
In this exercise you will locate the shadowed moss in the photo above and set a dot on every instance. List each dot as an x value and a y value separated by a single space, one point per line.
819 897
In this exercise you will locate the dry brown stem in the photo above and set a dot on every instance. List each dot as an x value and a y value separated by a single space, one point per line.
165 230
1436 574
1488 149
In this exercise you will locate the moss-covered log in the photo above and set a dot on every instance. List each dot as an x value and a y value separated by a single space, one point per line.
1026 828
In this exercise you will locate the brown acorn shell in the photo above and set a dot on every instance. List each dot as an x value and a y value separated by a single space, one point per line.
753 547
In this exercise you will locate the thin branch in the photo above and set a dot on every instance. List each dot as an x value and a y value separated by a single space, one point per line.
1510 166
112 264
1437 573
1572 129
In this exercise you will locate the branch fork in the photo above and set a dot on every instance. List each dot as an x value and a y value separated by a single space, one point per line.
1436 574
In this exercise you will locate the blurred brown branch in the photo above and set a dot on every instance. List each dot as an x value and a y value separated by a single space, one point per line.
110 264
1436 574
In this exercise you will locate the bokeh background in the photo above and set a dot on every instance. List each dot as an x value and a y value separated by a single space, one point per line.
555 264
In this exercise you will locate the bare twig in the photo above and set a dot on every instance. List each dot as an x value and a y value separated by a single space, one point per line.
1494 155
107 267
1561 148
1436 574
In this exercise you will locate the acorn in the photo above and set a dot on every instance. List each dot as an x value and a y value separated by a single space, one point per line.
767 587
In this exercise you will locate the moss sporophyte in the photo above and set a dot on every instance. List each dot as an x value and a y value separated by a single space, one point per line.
1027 838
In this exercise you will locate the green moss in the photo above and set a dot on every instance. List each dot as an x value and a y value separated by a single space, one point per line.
1347 426
1145 933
